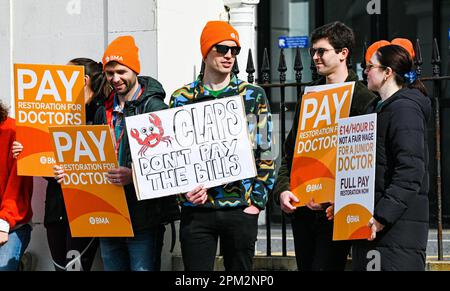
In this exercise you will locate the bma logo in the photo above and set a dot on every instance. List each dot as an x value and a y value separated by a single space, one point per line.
114 58
374 7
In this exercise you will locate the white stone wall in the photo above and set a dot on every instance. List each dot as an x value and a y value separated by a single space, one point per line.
55 31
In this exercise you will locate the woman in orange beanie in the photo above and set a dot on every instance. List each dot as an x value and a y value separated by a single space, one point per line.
400 221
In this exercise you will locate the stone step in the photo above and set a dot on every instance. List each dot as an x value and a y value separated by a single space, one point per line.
279 263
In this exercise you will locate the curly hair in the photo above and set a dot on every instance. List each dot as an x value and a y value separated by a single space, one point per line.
3 112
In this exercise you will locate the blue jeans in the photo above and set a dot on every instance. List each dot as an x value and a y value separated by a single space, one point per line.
12 251
138 253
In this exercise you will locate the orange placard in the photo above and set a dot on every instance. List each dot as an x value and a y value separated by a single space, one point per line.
95 207
314 161
45 95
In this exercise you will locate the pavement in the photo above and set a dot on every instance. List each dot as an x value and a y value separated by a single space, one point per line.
276 242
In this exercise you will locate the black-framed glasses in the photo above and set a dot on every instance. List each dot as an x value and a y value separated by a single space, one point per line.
321 51
370 66
223 49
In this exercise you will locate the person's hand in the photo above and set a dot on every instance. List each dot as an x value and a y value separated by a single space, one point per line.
252 209
59 173
314 206
120 176
286 199
375 226
16 149
3 238
330 211
197 196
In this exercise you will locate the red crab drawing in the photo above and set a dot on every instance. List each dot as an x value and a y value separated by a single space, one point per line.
150 137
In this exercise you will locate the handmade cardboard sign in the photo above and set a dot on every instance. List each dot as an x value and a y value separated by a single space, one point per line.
177 149
45 95
95 207
355 177
314 163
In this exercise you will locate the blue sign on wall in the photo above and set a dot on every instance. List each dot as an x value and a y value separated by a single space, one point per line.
449 34
285 42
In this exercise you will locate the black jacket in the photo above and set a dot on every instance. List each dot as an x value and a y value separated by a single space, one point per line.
401 183
147 213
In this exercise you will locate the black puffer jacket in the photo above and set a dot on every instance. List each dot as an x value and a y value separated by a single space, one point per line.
401 184
146 213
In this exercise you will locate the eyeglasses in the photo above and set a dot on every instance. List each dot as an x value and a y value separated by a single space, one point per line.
223 49
370 66
321 51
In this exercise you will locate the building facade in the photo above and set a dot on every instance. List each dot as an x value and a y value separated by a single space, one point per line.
168 31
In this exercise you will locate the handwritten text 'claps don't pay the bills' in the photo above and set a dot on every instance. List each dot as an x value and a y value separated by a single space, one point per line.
204 141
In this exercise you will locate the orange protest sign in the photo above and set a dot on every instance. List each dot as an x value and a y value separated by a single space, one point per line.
45 95
95 207
314 162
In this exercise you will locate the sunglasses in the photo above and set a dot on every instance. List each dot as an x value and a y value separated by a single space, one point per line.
321 51
223 49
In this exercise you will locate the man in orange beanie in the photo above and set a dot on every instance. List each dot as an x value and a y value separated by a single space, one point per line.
231 211
132 95
15 200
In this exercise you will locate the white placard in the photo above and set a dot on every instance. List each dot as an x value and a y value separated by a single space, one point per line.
355 177
175 150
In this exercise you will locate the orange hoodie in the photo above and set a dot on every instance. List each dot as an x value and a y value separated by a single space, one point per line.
15 191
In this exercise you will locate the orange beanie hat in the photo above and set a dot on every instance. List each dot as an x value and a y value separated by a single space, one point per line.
406 44
403 42
216 32
374 47
124 51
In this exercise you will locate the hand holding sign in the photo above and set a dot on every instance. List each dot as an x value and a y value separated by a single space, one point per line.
16 149
375 226
286 199
197 196
120 176
59 173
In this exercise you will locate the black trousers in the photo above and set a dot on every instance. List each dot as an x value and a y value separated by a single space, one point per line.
62 245
313 240
199 233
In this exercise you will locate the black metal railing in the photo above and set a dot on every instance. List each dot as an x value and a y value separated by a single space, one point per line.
265 82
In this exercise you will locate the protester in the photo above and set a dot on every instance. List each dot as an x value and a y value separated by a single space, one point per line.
332 46
400 221
15 200
68 253
131 95
228 212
